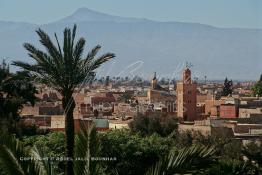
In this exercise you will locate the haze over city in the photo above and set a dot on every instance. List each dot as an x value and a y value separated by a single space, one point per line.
220 39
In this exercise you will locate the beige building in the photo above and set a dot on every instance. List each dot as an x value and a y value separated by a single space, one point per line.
159 95
191 127
246 112
57 122
119 124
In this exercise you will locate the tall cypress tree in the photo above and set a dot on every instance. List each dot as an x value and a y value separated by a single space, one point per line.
228 87
257 88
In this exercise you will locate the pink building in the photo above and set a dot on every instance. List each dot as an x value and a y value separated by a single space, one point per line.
228 111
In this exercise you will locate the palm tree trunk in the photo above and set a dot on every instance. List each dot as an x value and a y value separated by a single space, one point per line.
68 106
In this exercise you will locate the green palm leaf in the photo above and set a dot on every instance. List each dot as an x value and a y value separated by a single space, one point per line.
186 160
87 146
16 159
41 163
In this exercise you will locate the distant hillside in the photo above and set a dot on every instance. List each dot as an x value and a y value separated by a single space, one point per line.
161 46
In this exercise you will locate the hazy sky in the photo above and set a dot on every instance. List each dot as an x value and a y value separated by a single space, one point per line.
221 13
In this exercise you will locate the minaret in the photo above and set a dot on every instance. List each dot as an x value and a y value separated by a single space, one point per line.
154 82
186 97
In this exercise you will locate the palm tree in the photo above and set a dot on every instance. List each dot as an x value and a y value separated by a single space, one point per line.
13 156
87 147
187 160
64 68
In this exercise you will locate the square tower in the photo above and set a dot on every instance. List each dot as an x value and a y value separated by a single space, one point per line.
186 97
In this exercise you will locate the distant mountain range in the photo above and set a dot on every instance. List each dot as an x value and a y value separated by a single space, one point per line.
144 46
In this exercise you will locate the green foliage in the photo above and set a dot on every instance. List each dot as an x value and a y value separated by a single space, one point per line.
42 148
134 153
63 68
16 159
87 147
24 129
253 151
15 90
232 167
228 87
52 144
191 159
222 139
153 123
257 88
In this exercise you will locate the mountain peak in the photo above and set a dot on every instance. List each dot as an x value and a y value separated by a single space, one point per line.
86 14
87 11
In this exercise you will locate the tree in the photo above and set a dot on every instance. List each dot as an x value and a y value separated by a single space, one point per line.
134 153
15 90
228 87
153 123
257 88
53 145
63 69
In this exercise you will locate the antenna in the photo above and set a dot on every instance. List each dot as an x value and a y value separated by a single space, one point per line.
189 65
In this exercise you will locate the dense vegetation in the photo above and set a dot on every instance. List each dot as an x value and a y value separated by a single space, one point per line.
15 90
132 153
156 122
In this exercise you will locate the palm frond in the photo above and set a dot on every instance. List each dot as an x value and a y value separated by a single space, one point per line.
91 65
50 47
86 147
78 49
12 154
16 159
42 164
91 55
102 59
73 35
184 161
67 49
9 162
26 66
